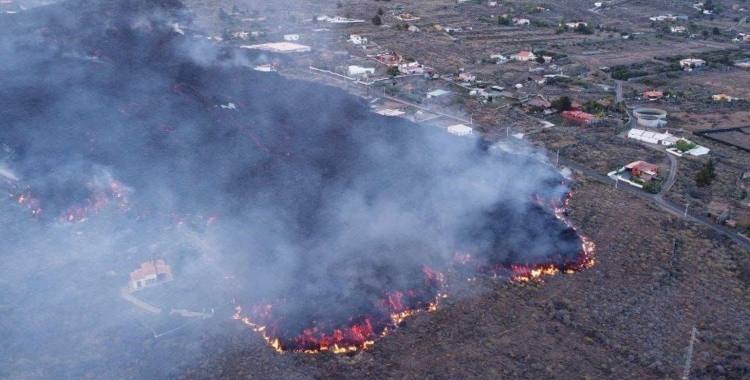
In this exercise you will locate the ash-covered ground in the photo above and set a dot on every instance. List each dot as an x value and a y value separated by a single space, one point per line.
124 141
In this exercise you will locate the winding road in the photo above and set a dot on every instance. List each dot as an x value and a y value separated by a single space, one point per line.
678 211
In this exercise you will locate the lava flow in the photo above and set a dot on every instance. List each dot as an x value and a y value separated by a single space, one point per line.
363 330
357 333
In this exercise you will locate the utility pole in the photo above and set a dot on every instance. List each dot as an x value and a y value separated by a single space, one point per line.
686 208
557 161
686 372
617 179
507 133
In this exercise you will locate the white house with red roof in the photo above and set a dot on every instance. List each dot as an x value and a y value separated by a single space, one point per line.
523 56
149 274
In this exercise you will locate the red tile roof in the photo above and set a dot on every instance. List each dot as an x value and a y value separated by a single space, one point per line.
151 268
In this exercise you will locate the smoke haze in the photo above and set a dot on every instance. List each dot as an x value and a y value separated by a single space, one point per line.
117 150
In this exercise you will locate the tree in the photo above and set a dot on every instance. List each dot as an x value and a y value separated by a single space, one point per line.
223 15
380 11
540 58
377 21
314 19
504 20
716 31
706 175
562 103
235 9
684 145
393 71
338 4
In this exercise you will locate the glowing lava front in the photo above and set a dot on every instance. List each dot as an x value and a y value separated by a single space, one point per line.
364 330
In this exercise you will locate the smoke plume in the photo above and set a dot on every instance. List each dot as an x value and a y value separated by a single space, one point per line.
125 140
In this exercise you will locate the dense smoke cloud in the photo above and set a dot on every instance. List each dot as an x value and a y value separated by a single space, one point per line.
113 126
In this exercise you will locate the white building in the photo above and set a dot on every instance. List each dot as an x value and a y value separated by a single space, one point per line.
521 21
291 37
677 29
411 68
437 93
466 77
574 25
460 130
354 70
357 39
652 137
692 62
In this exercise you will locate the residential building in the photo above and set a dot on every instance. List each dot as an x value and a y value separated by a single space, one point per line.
411 68
521 21
354 70
291 37
466 77
642 170
357 39
677 29
579 116
573 25
652 137
722 98
460 130
653 95
413 29
523 56
437 93
692 62
150 273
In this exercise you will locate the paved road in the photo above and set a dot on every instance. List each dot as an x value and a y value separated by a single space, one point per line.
672 175
679 211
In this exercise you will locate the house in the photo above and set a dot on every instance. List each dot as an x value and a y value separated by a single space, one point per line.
437 93
465 77
521 21
722 98
499 57
692 62
354 70
653 95
547 58
291 37
266 68
579 116
742 65
677 29
413 29
150 273
652 137
460 130
642 170
450 30
407 17
746 38
411 68
523 56
342 20
357 39
573 25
